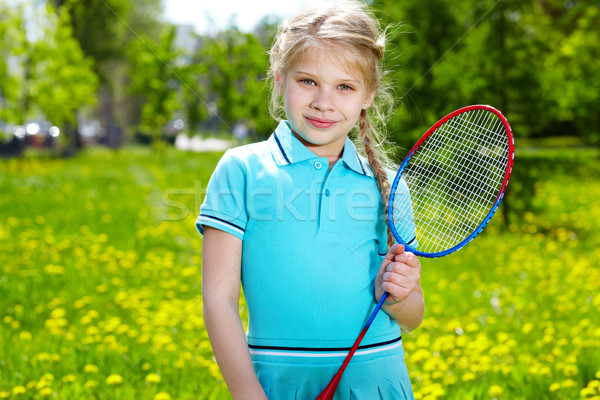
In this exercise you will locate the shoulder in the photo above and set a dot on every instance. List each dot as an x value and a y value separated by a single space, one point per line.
391 174
247 156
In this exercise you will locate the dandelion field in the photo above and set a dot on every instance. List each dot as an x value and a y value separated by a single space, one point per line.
100 285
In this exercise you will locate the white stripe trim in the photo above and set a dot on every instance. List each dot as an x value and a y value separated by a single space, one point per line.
217 222
321 355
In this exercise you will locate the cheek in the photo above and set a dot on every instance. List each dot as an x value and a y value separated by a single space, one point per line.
292 98
353 111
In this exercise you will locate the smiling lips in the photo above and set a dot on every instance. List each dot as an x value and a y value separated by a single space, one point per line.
320 123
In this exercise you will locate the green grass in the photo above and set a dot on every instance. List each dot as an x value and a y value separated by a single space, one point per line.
100 294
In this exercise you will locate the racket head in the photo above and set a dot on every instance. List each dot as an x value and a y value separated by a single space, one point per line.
452 181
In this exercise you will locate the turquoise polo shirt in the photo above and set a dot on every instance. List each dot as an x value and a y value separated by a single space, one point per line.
312 241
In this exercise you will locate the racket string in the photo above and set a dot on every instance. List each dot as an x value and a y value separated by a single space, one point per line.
452 191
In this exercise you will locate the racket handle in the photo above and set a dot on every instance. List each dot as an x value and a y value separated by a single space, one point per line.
329 391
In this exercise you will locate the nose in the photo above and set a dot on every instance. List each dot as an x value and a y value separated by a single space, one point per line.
323 100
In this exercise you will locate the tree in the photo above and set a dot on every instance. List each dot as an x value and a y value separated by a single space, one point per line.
13 43
236 65
569 67
156 78
46 74
62 79
421 34
105 30
535 61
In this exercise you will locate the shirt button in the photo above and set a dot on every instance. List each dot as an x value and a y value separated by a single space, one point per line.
327 192
318 165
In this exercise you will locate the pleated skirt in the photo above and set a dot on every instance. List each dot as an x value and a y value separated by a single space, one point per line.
367 377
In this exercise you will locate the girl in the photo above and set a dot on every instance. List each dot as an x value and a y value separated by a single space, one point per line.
299 220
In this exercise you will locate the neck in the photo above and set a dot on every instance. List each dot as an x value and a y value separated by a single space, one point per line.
332 151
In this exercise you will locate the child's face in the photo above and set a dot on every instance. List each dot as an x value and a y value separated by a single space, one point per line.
323 100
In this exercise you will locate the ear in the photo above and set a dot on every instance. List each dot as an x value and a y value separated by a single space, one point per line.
369 100
278 83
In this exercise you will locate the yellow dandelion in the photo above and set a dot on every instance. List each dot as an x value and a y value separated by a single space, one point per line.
527 328
114 379
101 288
554 387
449 380
69 378
92 330
495 391
570 370
469 376
152 378
19 390
48 377
146 366
42 384
25 335
90 384
546 371
45 392
58 313
91 368
437 375
597 376
4 394
569 383
79 304
534 369
162 396
587 392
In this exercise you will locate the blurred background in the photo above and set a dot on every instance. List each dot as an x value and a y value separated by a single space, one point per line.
114 113
115 71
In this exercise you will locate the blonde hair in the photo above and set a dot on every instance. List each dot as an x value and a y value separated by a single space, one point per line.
351 27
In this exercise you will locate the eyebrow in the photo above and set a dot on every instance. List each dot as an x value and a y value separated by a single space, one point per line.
314 76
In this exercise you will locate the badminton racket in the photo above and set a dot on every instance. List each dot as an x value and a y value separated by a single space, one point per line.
446 191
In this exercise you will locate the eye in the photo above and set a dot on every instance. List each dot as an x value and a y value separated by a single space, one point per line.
345 87
307 81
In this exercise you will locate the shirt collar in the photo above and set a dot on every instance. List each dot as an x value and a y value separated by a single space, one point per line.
287 149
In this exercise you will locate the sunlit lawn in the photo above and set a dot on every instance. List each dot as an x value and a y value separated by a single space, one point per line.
100 294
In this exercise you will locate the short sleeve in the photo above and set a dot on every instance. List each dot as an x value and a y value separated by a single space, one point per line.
224 206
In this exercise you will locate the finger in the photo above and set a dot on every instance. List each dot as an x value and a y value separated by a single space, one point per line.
396 293
395 279
407 258
400 268
395 250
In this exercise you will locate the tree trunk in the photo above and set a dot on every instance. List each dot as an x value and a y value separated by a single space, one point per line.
114 133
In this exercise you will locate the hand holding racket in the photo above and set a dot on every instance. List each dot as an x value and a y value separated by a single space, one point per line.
446 190
399 274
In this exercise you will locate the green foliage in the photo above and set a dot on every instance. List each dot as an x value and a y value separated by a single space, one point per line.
98 29
535 61
12 48
571 79
156 76
43 74
235 66
62 78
